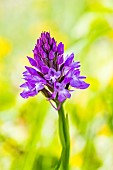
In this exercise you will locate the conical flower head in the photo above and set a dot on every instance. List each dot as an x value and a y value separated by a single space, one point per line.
51 73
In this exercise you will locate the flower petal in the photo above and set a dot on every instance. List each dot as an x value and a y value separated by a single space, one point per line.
44 69
26 94
63 95
60 48
31 70
32 61
78 84
69 60
60 59
51 55
39 86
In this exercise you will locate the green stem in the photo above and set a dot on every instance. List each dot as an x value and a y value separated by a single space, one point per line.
65 139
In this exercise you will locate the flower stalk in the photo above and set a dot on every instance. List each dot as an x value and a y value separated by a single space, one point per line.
65 139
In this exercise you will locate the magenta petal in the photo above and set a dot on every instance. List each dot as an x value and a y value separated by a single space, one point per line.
47 77
69 60
67 94
78 84
84 85
39 86
54 47
32 61
82 77
23 85
51 55
26 94
75 83
23 94
31 70
67 80
44 69
75 64
60 48
57 74
25 73
76 72
60 59
61 97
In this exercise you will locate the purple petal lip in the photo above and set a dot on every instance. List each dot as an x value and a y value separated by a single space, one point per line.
50 72
52 75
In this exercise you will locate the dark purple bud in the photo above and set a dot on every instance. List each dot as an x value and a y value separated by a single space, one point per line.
47 34
43 54
60 48
50 41
51 55
60 59
54 47
46 47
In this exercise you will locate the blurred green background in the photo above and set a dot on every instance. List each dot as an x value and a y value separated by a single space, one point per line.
29 128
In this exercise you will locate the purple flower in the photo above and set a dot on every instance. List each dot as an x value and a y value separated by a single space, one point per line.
52 75
61 91
50 72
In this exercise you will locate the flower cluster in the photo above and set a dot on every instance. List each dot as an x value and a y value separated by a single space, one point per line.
51 72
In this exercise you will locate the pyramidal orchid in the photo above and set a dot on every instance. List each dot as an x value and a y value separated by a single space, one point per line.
53 74
50 72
